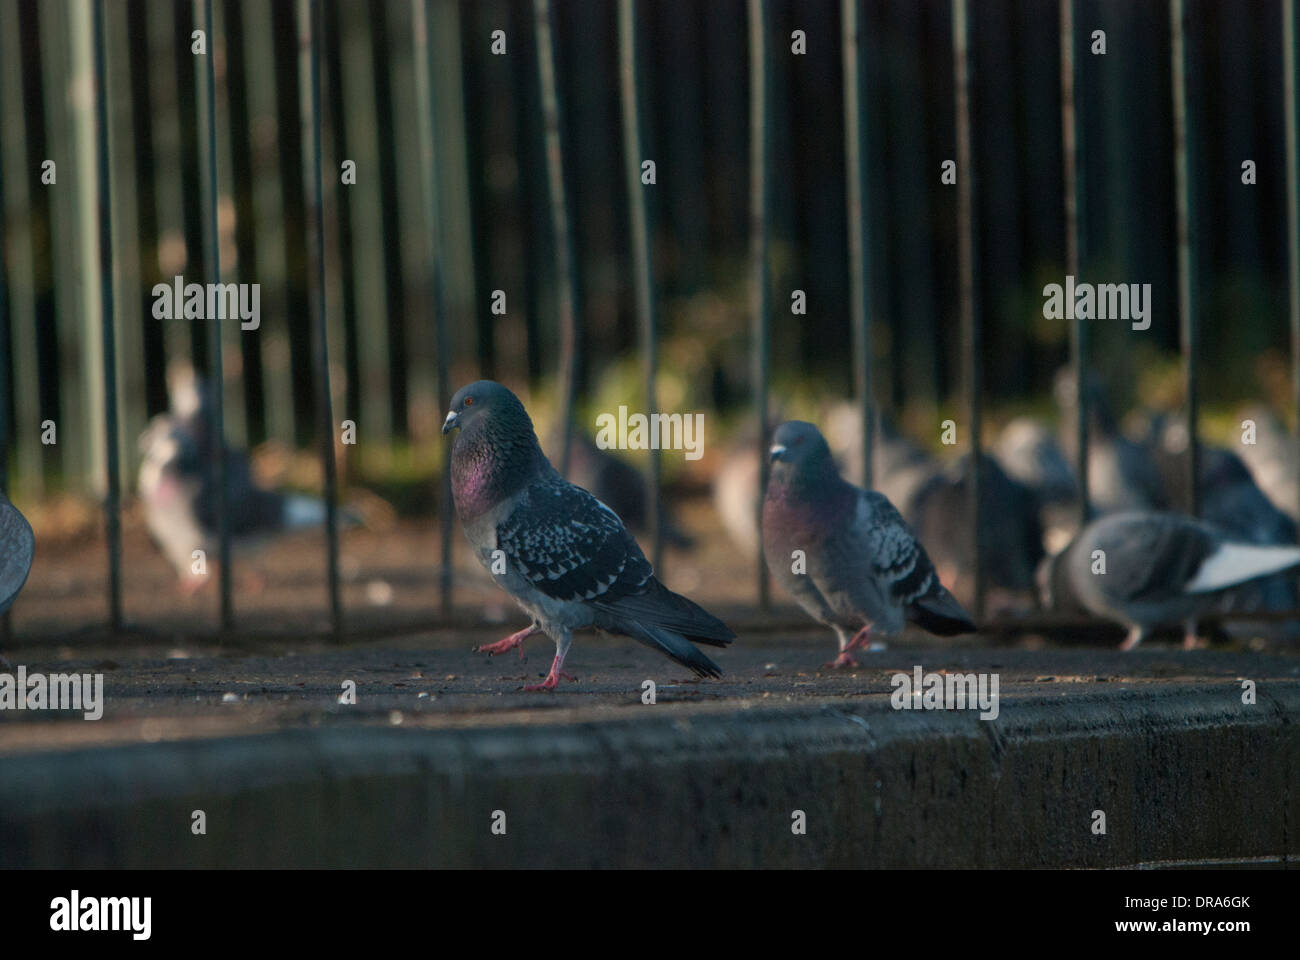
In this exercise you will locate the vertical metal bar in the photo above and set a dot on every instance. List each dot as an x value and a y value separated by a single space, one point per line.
760 151
855 122
972 346
207 102
333 40
1071 133
112 504
309 33
6 353
422 23
1183 168
642 267
1291 105
565 279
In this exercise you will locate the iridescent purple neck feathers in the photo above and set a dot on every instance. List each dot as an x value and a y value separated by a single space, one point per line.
493 459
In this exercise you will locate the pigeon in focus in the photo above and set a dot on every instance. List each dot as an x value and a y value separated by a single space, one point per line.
17 546
564 556
614 481
1147 569
845 554
177 487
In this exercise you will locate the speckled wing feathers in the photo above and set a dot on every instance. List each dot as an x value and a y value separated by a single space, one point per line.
570 546
897 557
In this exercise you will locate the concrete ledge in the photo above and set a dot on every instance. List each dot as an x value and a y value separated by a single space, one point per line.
1184 772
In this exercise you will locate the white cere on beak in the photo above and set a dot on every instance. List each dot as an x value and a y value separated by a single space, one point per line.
776 451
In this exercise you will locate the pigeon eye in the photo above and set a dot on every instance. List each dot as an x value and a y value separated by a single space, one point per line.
469 401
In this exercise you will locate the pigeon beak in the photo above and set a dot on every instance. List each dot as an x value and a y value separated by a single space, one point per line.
453 420
776 452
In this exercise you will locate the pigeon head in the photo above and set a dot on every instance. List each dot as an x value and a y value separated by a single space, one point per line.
483 401
801 458
798 446
496 450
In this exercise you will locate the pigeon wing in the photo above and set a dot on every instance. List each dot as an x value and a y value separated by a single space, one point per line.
1153 556
570 546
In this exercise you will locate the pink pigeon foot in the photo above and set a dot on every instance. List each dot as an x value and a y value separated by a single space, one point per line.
844 660
552 678
861 640
509 643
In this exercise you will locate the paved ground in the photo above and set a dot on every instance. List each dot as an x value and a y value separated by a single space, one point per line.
157 692
252 730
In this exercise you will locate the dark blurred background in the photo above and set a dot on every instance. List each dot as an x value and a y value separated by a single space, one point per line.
496 236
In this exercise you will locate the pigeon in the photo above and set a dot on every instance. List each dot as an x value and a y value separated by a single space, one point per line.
846 554
1147 569
565 557
177 487
1273 458
1010 534
616 482
17 546
1028 452
1121 475
1230 500
899 467
735 494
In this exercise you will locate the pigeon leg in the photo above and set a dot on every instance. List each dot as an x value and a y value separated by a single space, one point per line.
1190 640
862 640
1134 637
553 678
509 643
845 659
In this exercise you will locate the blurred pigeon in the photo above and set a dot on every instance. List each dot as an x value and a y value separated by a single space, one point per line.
735 494
1121 475
614 481
1010 535
177 486
1273 459
563 555
860 569
17 545
1029 453
899 469
1231 501
1159 569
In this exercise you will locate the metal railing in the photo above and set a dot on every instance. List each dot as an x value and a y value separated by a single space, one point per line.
860 127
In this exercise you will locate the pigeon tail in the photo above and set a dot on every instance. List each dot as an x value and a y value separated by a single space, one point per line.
1236 563
672 645
657 606
940 614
